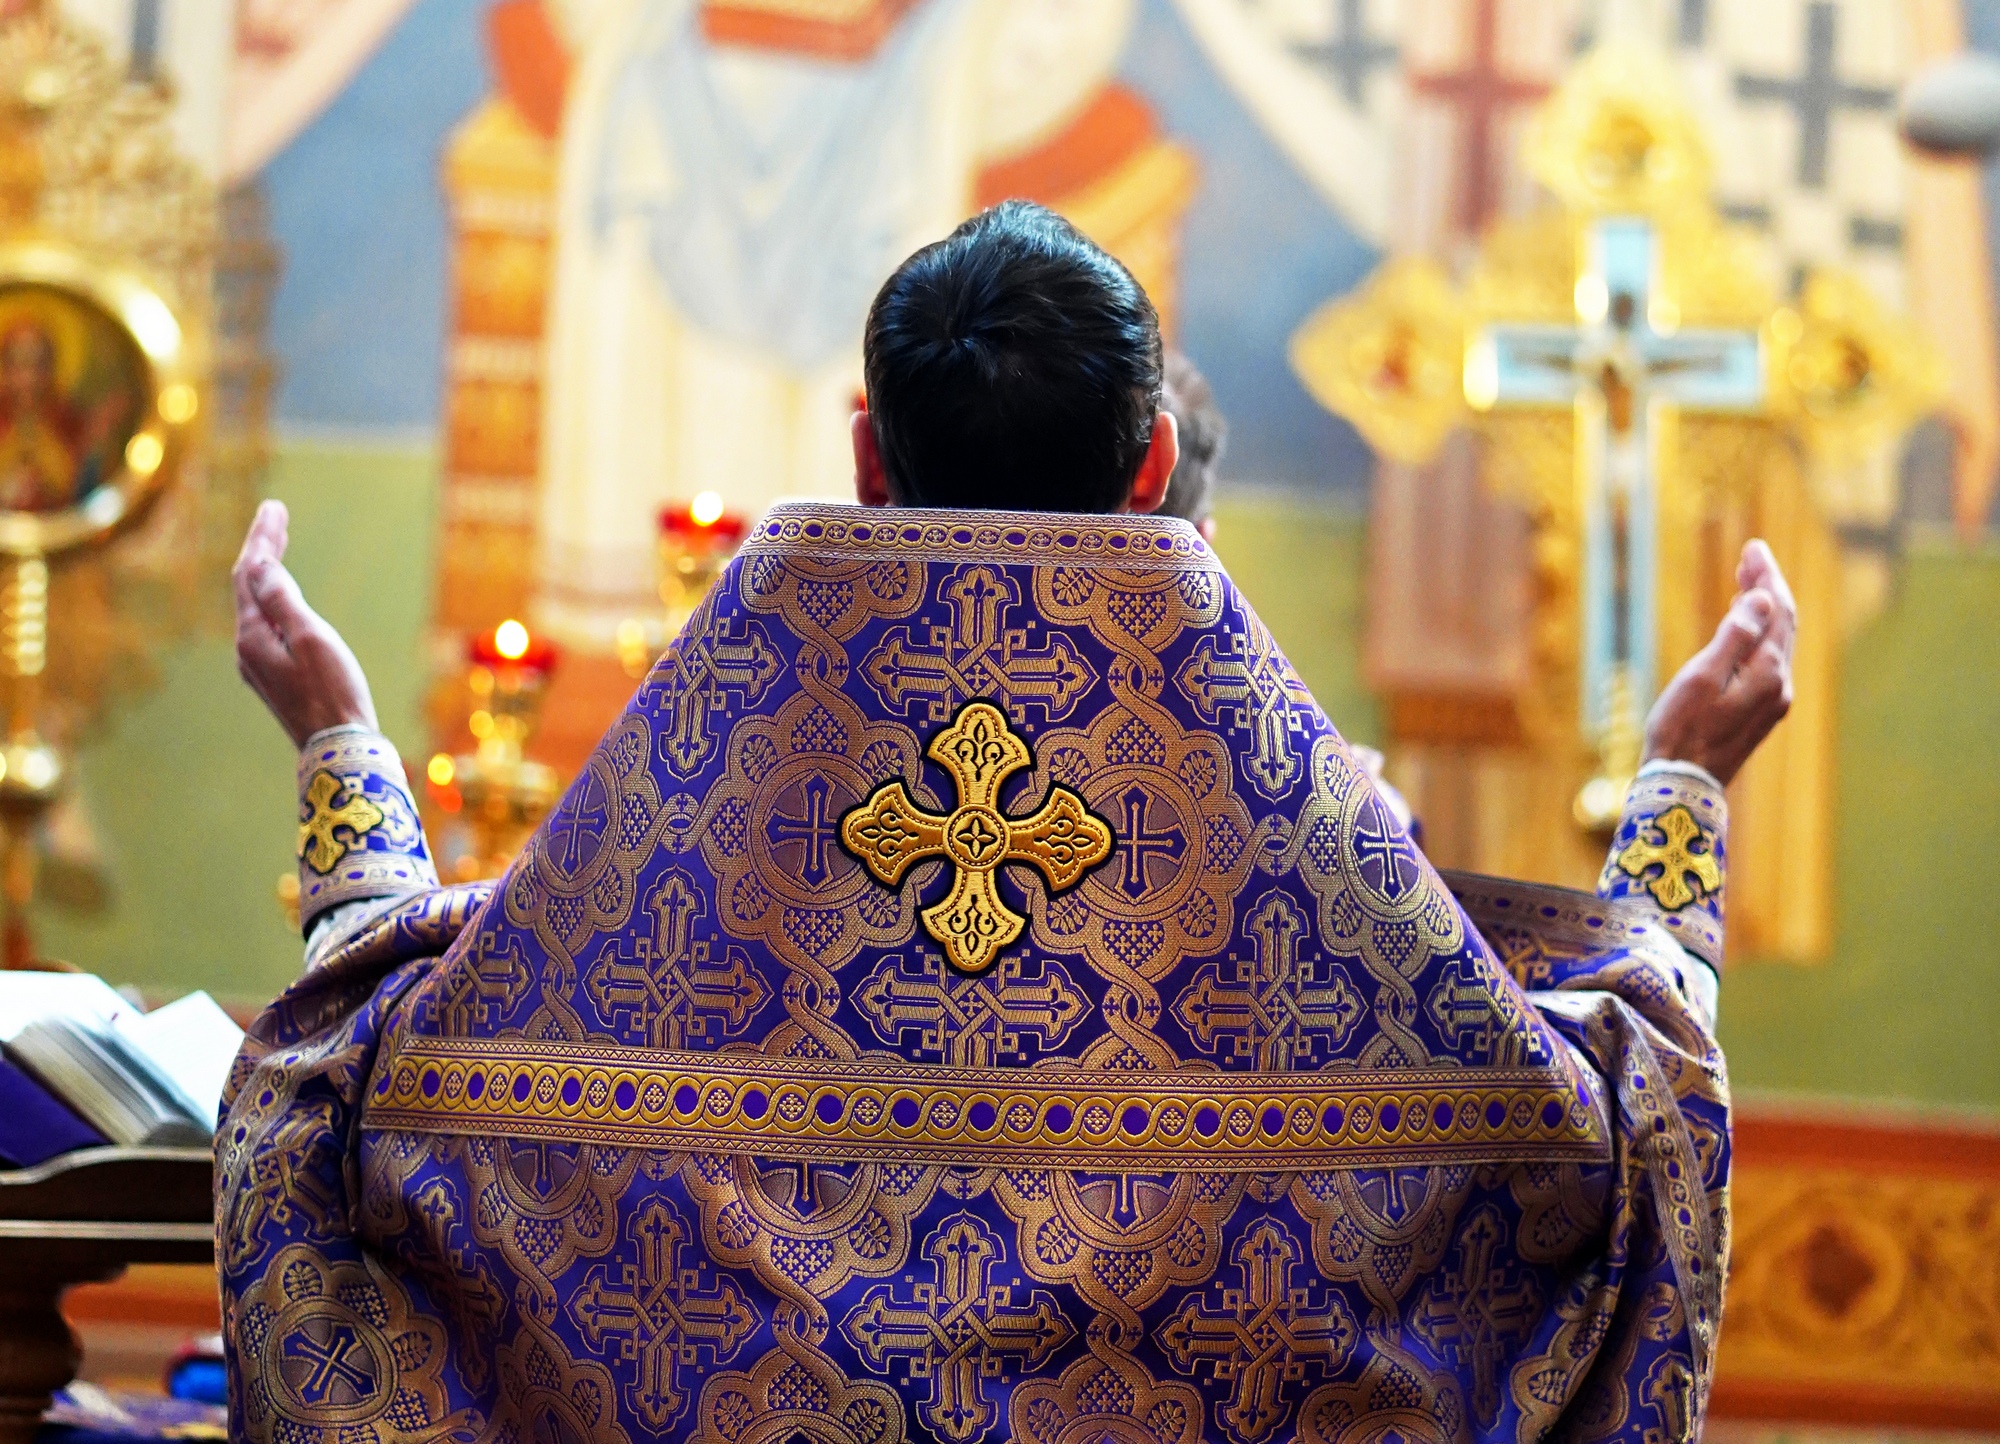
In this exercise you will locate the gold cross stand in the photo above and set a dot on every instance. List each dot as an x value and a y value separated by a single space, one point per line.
1634 383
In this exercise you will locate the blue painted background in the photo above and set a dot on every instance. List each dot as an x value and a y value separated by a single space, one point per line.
357 207
1259 253
356 203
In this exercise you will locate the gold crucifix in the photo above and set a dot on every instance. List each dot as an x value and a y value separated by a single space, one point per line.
356 815
889 833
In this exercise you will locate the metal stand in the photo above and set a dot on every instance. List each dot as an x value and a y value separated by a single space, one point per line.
31 772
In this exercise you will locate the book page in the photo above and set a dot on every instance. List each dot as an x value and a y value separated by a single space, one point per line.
192 1042
26 996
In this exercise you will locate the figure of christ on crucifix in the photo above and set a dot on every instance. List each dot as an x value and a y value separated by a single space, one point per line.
1625 356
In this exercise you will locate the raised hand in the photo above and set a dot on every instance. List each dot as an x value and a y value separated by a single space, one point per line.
287 652
1732 692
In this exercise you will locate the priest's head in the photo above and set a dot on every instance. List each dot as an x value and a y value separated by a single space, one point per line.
1014 365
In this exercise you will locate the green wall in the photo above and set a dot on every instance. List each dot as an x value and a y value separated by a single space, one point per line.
191 789
1300 565
1909 1005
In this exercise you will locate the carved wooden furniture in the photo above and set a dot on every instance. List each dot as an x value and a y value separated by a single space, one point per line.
80 1218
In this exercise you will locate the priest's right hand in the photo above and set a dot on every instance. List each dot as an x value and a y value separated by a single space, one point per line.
1731 693
288 653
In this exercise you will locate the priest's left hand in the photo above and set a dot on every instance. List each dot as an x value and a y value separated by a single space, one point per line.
288 653
1732 692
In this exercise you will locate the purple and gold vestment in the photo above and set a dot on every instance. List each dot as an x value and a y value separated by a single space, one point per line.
973 994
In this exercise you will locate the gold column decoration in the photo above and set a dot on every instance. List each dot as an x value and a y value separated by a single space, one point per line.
1645 444
243 375
499 178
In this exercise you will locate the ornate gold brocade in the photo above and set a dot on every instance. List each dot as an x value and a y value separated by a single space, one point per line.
694 1132
1686 873
320 846
341 1341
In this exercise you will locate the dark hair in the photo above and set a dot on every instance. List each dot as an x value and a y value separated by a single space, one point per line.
1203 430
1012 365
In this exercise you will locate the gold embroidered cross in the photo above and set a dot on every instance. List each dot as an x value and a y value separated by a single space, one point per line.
318 847
889 833
1677 860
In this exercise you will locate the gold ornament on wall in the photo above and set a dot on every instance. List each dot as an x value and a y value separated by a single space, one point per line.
107 238
1388 358
1850 376
1617 139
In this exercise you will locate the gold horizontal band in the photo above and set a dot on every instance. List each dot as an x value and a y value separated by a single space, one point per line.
1021 537
889 1109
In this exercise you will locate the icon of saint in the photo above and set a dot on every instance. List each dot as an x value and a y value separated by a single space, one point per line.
52 450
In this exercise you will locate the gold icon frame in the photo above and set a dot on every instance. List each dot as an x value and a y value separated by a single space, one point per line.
169 400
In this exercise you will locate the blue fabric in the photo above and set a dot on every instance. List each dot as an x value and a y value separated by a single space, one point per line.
758 1100
34 1125
202 1381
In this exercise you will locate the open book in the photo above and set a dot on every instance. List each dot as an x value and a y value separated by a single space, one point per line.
136 1078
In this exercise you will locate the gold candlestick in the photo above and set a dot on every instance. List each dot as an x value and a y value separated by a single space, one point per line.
495 791
697 539
31 772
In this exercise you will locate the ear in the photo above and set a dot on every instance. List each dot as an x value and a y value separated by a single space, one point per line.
871 483
1156 468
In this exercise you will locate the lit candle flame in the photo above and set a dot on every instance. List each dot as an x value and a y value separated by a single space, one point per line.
510 640
706 508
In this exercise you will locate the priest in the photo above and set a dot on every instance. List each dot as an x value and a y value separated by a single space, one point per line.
974 994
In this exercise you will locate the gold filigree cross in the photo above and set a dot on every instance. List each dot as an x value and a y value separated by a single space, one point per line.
889 833
318 847
1676 858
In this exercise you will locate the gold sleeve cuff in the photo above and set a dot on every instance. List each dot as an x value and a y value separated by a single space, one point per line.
359 836
1670 856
